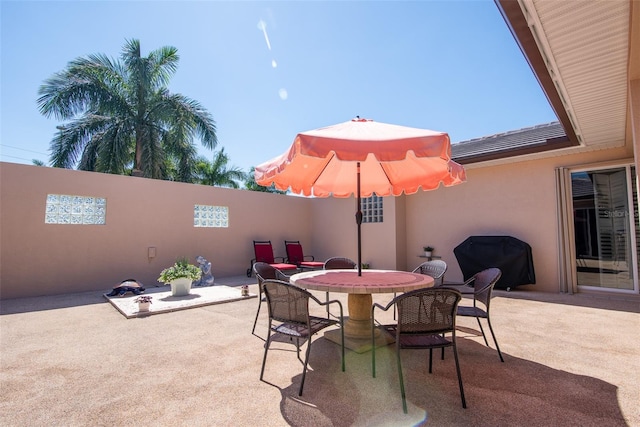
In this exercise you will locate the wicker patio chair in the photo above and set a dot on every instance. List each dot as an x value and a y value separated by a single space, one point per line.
264 271
263 251
289 316
483 283
338 263
465 288
434 268
295 255
425 317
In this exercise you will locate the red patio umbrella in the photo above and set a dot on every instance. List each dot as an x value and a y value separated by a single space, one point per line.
363 157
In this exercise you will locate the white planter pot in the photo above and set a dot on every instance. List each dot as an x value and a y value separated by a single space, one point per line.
180 287
144 307
427 254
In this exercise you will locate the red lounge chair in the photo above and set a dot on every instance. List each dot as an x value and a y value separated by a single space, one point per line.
264 253
296 256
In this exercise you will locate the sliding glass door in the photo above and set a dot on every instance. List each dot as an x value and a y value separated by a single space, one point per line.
605 217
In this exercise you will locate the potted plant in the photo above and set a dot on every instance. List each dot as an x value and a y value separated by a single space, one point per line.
428 251
144 303
180 276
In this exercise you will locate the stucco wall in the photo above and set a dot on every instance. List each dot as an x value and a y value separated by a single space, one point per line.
335 233
40 259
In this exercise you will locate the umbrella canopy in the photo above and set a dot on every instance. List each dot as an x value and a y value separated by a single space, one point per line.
363 157
393 159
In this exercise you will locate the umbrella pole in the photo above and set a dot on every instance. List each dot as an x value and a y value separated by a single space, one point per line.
359 221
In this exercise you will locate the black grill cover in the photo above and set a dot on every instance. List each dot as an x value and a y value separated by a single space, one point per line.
507 253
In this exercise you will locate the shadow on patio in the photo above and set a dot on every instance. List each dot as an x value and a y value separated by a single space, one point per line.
521 392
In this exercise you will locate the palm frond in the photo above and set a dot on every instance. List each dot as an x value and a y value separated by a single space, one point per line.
115 148
72 139
89 156
201 121
165 64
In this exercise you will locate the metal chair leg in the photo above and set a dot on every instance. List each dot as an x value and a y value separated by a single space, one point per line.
306 361
266 348
482 330
253 330
298 349
494 340
394 307
455 355
373 349
402 392
328 313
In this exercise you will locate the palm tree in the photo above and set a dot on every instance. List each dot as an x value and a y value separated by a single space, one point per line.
216 172
252 185
122 116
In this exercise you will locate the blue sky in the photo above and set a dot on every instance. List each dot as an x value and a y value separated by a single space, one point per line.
268 70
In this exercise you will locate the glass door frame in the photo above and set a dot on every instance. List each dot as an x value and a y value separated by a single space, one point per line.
634 225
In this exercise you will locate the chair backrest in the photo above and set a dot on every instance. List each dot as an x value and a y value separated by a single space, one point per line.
263 251
337 263
483 285
295 255
427 311
287 303
434 268
265 271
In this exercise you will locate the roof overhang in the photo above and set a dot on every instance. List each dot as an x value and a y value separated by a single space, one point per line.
580 54
526 36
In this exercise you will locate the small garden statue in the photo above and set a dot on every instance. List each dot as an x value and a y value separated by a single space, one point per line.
206 279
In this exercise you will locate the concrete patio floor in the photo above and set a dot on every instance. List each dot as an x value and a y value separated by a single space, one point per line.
74 360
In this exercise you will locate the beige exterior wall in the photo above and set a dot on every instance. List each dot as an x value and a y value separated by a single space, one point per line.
516 199
41 259
335 233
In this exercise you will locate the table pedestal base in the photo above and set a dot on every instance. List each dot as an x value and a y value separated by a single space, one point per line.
359 344
357 327
360 286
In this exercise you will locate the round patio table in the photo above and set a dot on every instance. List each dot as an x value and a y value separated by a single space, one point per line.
357 327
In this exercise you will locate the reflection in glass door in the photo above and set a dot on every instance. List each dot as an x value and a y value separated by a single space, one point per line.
602 203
